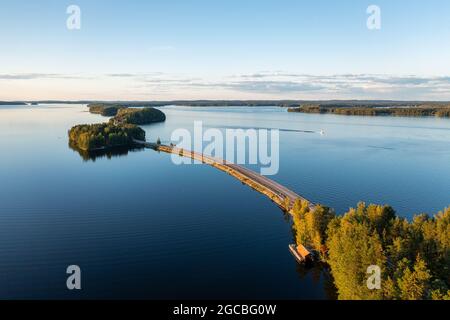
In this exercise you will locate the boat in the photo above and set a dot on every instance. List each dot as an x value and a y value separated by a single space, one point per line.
301 253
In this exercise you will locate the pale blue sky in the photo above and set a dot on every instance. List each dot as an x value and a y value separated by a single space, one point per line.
224 49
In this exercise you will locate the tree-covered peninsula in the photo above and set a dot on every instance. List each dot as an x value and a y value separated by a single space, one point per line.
121 130
414 256
376 110
12 103
125 113
90 137
104 110
139 116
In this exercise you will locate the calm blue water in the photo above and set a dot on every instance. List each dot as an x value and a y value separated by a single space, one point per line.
141 227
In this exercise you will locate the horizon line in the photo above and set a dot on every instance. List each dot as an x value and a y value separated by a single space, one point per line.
218 100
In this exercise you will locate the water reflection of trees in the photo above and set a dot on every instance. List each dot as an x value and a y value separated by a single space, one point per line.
320 276
106 153
318 272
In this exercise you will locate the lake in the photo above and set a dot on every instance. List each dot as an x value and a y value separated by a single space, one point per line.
141 227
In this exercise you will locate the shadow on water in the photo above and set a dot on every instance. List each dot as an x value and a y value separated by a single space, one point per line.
321 276
318 271
106 153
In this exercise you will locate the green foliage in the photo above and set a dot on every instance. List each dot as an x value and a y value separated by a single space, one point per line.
100 136
12 103
445 112
375 110
353 245
104 110
414 257
124 113
440 295
311 225
414 284
119 133
139 116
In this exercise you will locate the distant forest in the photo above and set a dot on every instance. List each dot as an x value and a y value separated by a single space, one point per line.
255 103
341 107
12 103
401 110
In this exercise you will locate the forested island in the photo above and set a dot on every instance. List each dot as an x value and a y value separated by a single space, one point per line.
414 257
119 132
91 137
125 113
343 107
104 110
12 103
254 103
139 116
422 110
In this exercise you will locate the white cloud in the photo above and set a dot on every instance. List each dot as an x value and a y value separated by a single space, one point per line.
260 85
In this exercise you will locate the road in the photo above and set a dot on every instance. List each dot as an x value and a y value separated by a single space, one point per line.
275 191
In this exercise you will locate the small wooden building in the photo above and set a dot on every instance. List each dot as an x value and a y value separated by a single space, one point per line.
301 253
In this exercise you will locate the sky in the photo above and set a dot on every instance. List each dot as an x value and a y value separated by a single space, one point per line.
224 49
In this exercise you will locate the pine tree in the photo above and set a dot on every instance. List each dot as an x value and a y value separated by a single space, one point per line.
415 284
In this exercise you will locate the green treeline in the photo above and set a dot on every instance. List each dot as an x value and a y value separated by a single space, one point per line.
375 110
90 137
104 110
414 257
202 103
279 103
111 109
120 131
139 116
12 103
123 113
252 103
